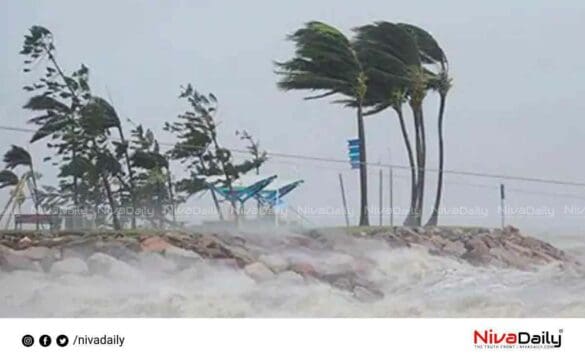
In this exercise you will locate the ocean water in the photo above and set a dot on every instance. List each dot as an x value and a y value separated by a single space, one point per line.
414 283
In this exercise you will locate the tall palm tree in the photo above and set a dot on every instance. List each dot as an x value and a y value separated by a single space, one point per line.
395 74
432 54
325 60
18 156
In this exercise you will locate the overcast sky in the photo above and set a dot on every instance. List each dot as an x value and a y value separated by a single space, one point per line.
516 106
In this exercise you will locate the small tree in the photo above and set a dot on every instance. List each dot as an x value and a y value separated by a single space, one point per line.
199 148
77 123
153 176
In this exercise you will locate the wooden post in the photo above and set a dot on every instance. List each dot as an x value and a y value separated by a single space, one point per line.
381 206
344 200
391 192
502 205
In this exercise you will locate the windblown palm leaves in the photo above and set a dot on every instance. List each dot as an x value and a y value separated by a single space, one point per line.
384 66
394 68
8 178
17 156
327 62
439 81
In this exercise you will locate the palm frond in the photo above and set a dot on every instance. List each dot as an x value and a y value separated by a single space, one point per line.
98 115
324 61
8 178
17 156
429 48
45 103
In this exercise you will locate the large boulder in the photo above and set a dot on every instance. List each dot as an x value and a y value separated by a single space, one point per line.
276 263
181 257
70 266
154 243
107 265
12 260
477 253
155 262
259 272
40 253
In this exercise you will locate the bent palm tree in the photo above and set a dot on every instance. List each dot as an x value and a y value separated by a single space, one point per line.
432 54
18 156
395 74
325 60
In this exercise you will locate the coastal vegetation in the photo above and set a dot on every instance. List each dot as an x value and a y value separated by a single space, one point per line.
384 66
104 162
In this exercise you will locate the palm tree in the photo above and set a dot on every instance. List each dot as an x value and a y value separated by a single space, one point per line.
8 178
107 115
395 74
325 60
18 156
432 54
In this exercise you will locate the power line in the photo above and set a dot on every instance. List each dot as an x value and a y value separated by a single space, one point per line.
370 164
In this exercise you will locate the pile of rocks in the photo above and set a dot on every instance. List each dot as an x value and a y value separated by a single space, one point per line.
325 255
478 246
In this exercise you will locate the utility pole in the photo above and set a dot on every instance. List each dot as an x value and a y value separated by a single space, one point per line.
391 192
502 205
381 207
344 200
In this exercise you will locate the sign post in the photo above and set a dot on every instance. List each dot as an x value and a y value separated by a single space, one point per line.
353 146
343 200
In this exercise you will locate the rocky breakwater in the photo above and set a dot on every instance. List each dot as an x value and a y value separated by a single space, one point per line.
478 246
345 260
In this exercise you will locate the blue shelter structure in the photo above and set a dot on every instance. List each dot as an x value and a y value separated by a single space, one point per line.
272 194
240 191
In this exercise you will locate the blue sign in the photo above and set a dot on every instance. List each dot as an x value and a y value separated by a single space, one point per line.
353 146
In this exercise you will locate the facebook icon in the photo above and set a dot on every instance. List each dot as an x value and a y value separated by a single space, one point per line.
45 340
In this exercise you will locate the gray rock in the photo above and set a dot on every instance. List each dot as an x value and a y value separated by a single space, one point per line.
117 250
70 266
40 252
478 254
259 272
107 265
276 263
181 257
290 276
154 262
12 260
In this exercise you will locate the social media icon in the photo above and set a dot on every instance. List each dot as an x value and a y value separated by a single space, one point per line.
28 340
62 340
45 340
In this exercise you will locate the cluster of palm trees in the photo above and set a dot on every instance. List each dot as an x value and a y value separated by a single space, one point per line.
384 65
118 180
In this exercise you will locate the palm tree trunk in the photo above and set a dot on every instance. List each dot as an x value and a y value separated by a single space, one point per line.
35 194
109 193
434 219
112 202
418 145
75 185
11 198
130 175
213 195
410 217
364 218
228 181
421 167
171 196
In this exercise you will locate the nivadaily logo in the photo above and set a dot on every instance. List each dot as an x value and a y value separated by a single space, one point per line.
490 339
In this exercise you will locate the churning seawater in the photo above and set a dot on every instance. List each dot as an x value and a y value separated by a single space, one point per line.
414 283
